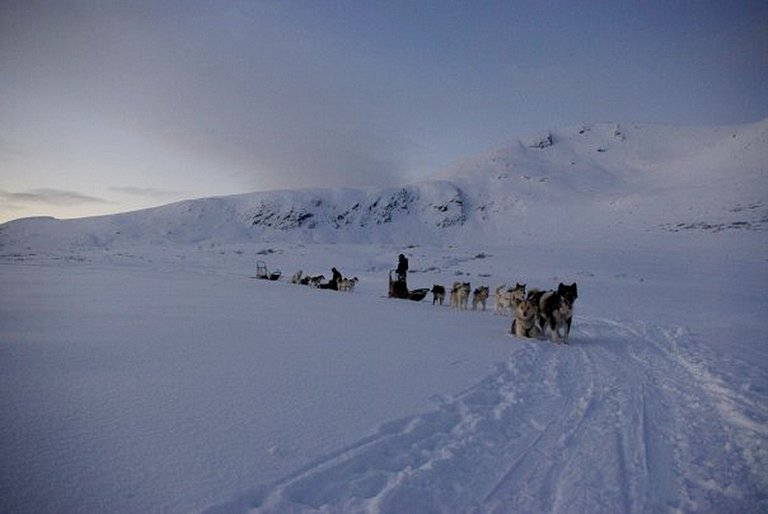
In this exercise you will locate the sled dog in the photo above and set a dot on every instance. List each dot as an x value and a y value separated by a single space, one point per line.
500 300
316 281
296 277
509 299
515 295
535 296
438 294
524 320
479 297
556 311
347 284
460 295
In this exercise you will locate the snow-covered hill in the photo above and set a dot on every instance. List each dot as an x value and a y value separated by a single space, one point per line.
141 370
605 178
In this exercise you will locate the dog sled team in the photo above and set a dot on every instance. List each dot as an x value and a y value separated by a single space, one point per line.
533 312
542 310
460 294
336 283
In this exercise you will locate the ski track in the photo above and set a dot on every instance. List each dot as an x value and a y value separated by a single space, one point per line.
551 431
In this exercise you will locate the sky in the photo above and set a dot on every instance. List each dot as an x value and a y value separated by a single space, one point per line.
110 106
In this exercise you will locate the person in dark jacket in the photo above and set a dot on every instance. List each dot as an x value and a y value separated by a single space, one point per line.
335 279
399 288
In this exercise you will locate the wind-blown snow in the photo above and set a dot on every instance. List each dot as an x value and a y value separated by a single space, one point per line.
141 368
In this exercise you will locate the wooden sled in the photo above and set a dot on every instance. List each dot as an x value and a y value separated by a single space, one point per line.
263 274
399 289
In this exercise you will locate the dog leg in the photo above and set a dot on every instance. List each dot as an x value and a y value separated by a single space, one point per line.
542 325
553 334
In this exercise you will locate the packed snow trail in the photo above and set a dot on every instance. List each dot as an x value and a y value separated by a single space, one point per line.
619 421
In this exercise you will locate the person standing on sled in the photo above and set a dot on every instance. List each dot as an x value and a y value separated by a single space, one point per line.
335 279
400 287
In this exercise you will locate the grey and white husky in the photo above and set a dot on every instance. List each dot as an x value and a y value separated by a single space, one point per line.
479 297
509 298
460 295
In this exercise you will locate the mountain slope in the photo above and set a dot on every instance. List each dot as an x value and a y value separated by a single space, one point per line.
604 178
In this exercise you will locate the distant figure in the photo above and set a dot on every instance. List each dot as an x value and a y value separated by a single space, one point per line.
335 279
402 268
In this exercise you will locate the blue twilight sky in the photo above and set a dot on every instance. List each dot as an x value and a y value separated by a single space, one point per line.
108 106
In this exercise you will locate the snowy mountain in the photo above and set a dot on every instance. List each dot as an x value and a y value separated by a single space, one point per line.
142 370
604 178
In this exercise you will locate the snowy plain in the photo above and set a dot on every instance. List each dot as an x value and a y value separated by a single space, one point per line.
143 370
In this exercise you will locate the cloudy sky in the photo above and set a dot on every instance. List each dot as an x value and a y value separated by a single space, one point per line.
108 106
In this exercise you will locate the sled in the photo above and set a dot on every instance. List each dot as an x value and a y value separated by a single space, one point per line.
263 274
398 289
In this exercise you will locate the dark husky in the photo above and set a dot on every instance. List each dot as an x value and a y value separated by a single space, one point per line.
438 294
556 311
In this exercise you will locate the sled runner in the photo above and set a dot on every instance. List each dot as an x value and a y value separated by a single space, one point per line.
262 273
399 289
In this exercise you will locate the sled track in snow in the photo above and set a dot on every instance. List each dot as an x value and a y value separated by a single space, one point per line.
625 419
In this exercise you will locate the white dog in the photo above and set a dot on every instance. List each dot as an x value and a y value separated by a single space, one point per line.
460 295
500 300
296 278
509 299
347 284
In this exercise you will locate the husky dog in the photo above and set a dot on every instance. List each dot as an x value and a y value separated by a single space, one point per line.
296 278
460 295
535 296
464 295
509 299
438 294
515 295
500 300
479 296
348 284
556 311
454 304
316 280
524 321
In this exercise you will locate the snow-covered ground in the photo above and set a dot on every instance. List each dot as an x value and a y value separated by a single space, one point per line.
142 374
